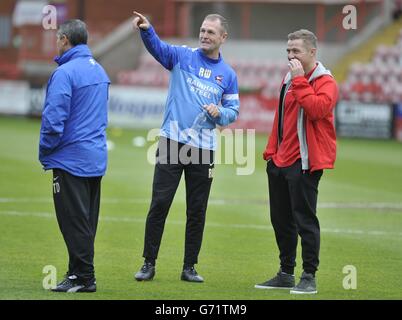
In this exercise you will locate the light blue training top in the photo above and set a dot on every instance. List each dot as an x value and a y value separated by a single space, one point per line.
195 81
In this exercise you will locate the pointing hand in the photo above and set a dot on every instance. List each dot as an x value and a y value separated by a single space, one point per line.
140 21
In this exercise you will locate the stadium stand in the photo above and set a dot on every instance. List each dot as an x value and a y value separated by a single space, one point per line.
255 49
9 71
379 79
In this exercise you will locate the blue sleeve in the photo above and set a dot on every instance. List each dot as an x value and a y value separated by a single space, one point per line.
166 54
230 104
55 112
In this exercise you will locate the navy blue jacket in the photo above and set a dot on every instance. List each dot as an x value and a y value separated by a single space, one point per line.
74 118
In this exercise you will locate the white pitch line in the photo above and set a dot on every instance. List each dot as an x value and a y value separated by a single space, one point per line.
361 205
26 200
48 215
323 205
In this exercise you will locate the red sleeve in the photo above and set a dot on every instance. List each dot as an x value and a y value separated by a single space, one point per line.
319 101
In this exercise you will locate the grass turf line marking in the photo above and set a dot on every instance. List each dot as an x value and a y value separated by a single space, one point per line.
48 215
323 205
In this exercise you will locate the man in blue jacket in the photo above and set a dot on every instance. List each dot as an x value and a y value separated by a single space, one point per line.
203 93
73 145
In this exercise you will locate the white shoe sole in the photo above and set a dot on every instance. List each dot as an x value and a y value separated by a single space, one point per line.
264 287
303 292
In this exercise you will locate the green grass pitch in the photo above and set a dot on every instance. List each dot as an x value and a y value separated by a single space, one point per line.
360 211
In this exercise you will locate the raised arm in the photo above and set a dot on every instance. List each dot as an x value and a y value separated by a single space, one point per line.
165 54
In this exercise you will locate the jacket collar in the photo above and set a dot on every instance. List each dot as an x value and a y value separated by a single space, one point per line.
82 50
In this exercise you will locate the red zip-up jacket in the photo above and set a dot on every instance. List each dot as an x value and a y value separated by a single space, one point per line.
314 123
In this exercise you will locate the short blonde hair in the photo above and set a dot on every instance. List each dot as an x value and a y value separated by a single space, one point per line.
309 38
223 21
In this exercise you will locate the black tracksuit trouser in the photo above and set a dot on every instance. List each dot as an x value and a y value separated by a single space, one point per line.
76 201
293 201
173 159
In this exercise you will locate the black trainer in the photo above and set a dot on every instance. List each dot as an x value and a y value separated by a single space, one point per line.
189 274
146 273
306 285
71 284
282 280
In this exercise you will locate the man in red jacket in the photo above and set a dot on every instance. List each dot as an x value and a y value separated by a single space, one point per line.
301 145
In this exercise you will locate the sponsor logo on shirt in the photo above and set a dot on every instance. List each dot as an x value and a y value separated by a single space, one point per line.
201 88
219 79
205 73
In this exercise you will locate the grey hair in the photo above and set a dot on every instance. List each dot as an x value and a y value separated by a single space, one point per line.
223 21
307 36
75 31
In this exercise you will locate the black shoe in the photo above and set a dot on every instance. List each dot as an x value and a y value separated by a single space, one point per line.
306 285
146 272
282 280
189 274
71 283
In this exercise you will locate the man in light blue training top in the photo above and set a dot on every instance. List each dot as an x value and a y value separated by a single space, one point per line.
73 145
203 93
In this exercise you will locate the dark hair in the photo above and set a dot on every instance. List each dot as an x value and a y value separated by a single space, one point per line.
75 31
223 21
309 38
